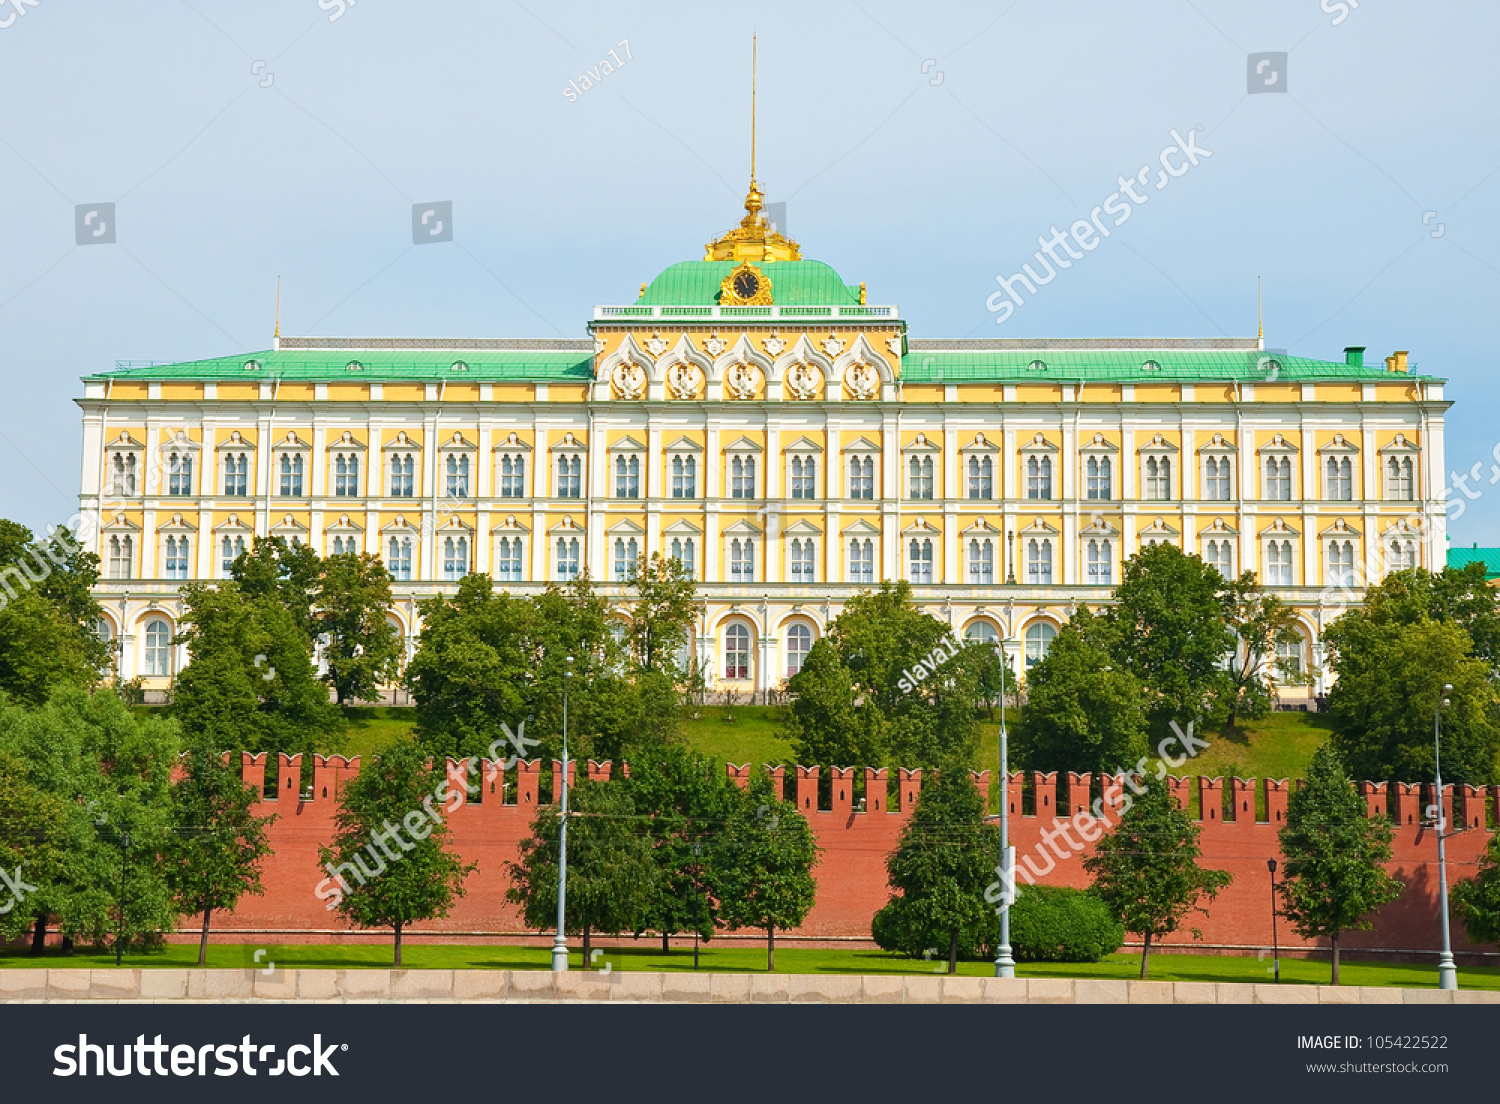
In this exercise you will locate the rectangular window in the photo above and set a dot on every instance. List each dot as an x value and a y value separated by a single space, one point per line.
1216 478
569 479
1100 563
177 557
1279 563
398 560
1339 479
231 549
1219 554
1399 484
1039 562
122 474
684 552
804 469
981 561
1158 478
1341 563
455 557
626 554
803 560
1279 478
741 561
919 477
512 476
982 477
567 557
121 557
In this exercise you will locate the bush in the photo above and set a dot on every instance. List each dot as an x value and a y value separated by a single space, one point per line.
1056 924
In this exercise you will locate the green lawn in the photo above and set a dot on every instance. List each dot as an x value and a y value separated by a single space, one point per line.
751 737
742 958
371 728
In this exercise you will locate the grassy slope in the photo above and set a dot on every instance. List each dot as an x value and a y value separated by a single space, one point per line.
744 958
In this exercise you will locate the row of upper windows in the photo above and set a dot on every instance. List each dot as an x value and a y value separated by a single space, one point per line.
978 556
1278 479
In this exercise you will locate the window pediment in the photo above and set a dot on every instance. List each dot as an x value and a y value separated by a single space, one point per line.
626 444
292 443
683 444
458 443
921 443
347 442
1217 444
1098 443
1158 444
1278 528
1340 528
509 525
569 443
512 443
1038 443
1401 443
237 442
743 444
861 527
742 528
401 442
1278 444
1339 443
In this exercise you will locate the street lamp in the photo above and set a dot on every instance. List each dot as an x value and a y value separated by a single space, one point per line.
1447 971
124 861
1275 940
560 941
1005 965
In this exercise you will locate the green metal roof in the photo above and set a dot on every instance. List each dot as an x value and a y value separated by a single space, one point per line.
1490 557
793 284
1127 366
332 365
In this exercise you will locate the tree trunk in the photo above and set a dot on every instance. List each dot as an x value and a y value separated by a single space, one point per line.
39 935
1145 955
398 943
588 932
1335 958
67 944
203 941
666 943
771 949
953 950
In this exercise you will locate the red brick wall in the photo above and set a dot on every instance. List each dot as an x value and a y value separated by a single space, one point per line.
851 872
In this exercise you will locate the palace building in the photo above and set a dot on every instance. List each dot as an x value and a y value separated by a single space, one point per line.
754 416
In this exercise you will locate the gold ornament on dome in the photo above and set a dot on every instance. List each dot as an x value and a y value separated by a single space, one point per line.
746 286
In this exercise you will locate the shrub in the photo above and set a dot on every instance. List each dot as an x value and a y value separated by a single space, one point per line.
1056 924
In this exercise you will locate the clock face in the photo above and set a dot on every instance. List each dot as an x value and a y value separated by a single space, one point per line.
746 284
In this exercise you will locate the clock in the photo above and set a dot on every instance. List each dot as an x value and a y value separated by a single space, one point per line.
745 286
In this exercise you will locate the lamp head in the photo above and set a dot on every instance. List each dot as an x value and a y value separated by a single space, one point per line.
1271 865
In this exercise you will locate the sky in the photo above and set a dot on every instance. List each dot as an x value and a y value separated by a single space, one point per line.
920 148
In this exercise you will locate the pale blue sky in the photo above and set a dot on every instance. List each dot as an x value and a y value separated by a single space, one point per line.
921 148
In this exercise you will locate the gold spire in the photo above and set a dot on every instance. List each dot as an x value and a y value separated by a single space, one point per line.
753 239
1260 318
278 306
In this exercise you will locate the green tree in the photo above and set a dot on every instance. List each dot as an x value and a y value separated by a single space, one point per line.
214 856
32 840
1333 876
1147 869
362 649
245 649
612 875
913 689
1169 627
1477 899
683 797
1084 712
48 614
943 858
1263 625
278 570
391 802
1458 596
661 620
1390 678
762 865
108 773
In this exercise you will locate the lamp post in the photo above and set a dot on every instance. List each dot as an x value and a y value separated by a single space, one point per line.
124 862
1447 971
560 941
1005 965
1275 940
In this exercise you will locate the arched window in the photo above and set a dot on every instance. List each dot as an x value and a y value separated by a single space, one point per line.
231 549
684 477
920 560
737 651
398 562
1039 477
1340 479
982 632
512 476
508 560
981 561
741 560
291 475
346 475
236 474
804 560
1158 478
861 477
1399 484
157 659
981 477
122 474
1340 571
804 471
1279 563
1098 472
626 552
1039 562
861 561
403 477
567 558
176 558
742 477
1100 562
1279 478
456 476
798 644
1402 554
627 477
1289 659
1216 479
919 477
1039 637
179 473
569 479
121 557
455 557
1219 554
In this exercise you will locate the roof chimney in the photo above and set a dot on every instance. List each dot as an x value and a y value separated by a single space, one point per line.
1354 356
1400 360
